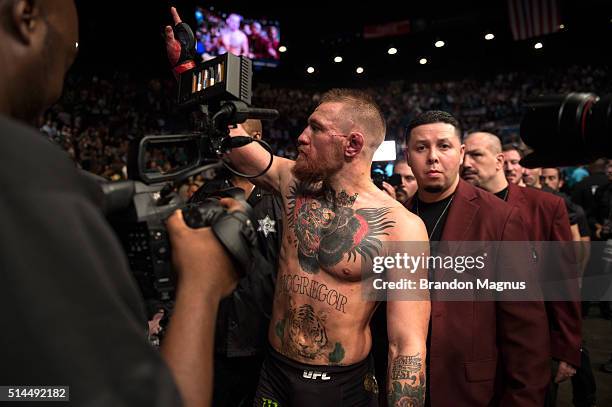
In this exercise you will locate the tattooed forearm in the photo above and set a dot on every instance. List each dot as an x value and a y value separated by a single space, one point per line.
407 381
404 367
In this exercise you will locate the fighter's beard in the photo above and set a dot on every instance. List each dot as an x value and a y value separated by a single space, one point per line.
314 171
307 172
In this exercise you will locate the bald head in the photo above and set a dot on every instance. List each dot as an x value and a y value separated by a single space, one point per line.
483 164
39 39
486 140
359 113
253 128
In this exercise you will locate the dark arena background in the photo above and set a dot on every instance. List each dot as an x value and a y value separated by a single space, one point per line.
479 60
120 85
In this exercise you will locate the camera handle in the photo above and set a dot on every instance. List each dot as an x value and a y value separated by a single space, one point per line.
240 141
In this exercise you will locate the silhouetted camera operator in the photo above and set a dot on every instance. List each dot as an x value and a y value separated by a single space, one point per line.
72 314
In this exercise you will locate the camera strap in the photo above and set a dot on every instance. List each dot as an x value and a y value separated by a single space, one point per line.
230 226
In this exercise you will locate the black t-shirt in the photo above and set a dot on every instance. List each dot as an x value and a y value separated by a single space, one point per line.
434 215
584 192
575 212
602 209
503 194
71 313
582 221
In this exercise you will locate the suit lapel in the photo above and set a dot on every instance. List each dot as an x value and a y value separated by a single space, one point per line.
516 197
461 215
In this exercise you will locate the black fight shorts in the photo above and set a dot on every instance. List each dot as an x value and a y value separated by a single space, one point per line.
286 383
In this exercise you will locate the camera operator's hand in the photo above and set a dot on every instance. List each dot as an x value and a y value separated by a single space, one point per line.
598 228
206 275
154 323
232 205
564 372
199 259
180 44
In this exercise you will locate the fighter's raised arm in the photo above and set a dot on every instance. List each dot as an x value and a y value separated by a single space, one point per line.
253 159
179 47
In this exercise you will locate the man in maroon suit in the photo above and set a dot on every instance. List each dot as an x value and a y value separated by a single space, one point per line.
480 353
547 217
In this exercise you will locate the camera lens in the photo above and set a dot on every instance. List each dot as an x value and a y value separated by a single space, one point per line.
568 129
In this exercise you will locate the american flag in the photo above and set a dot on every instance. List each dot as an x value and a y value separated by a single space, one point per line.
387 30
533 18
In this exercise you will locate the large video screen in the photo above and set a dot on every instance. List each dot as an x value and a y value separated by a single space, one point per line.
218 33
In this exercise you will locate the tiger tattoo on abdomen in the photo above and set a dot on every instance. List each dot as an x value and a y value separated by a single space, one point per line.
306 335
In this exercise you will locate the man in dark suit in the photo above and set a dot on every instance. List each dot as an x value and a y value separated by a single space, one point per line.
547 217
480 353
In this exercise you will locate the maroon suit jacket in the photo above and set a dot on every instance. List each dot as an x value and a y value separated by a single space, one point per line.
547 220
487 353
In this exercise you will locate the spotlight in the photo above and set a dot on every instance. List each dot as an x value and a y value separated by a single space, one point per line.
359 70
338 59
310 69
392 51
439 44
538 45
489 36
423 61
282 48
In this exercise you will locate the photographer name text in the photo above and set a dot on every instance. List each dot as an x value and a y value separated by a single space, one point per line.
454 285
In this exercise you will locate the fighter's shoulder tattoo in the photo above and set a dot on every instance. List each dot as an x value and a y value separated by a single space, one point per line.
326 227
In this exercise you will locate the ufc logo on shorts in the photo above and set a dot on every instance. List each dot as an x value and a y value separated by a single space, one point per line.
311 374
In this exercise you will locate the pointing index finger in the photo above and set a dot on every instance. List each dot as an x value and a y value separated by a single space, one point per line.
175 15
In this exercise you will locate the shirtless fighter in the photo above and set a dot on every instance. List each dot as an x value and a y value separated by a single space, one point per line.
335 218
234 40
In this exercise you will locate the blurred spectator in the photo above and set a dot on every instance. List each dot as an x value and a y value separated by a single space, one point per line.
531 177
98 116
575 175
261 46
512 168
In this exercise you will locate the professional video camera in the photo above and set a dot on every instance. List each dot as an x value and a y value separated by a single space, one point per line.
566 130
218 95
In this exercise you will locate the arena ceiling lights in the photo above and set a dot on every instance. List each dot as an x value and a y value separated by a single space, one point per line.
438 43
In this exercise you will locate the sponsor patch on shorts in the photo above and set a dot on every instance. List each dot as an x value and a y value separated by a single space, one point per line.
265 402
370 383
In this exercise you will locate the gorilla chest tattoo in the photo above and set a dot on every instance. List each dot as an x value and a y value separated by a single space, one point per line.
327 228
